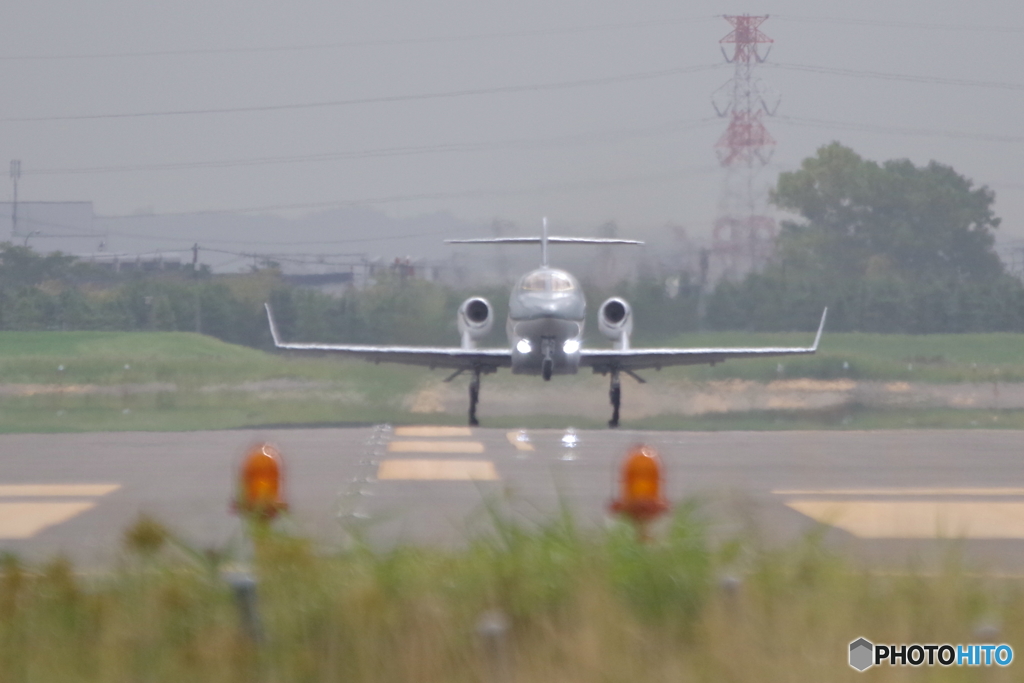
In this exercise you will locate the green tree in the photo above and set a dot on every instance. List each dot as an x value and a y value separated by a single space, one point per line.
889 247
868 220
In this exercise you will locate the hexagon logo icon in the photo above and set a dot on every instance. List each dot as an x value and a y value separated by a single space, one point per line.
862 654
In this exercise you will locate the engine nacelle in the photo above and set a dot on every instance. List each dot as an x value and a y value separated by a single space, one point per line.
475 320
615 321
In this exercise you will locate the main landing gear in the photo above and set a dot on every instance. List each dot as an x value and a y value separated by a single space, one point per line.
474 397
474 391
615 393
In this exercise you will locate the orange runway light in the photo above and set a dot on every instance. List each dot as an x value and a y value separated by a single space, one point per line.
259 483
640 496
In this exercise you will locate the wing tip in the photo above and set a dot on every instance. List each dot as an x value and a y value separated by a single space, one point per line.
273 325
821 328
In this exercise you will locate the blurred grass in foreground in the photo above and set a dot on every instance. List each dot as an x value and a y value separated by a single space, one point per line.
581 606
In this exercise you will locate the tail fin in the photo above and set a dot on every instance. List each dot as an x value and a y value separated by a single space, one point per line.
544 243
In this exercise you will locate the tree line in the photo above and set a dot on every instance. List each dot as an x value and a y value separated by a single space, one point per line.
889 247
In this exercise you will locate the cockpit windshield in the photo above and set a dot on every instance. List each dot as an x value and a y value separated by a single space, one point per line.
535 282
547 281
560 282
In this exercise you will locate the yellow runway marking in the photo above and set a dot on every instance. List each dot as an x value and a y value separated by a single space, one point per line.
520 444
902 492
428 431
450 470
24 520
435 447
917 519
47 490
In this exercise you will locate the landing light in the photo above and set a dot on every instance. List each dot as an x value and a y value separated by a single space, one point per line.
523 346
571 346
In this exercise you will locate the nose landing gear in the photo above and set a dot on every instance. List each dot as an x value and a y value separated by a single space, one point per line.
548 364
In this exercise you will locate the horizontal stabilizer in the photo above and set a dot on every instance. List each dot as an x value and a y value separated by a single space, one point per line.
538 240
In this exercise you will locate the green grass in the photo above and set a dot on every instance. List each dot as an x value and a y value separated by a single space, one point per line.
578 606
887 357
847 417
195 382
181 357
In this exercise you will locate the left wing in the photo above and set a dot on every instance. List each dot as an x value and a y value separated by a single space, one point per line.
639 359
485 360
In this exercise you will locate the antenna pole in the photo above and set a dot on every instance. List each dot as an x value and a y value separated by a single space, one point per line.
544 244
15 174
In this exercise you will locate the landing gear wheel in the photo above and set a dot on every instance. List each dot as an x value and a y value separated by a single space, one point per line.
474 398
548 364
615 396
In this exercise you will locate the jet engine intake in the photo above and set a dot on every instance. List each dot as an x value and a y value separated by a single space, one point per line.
475 320
615 321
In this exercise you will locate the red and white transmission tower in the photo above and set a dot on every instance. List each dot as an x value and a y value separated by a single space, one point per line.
743 235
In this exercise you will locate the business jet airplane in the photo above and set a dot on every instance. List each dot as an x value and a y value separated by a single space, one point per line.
545 331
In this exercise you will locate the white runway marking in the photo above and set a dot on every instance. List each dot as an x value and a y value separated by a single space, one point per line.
24 520
430 430
917 519
448 470
903 492
435 447
54 490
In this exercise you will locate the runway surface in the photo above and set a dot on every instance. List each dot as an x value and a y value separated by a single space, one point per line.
884 497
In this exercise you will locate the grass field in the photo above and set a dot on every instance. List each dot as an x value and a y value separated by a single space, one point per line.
75 381
541 602
888 357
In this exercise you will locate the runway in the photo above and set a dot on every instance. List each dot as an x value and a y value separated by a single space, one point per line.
883 497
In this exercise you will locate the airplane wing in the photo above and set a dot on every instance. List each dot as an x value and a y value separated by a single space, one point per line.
455 358
604 361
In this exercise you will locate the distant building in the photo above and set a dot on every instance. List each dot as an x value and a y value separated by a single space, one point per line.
67 227
121 263
333 283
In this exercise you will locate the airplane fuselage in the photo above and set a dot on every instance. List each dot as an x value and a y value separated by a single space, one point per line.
546 313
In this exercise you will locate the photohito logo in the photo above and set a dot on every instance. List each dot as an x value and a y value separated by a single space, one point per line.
864 654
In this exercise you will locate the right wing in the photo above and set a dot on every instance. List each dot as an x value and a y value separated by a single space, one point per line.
454 358
613 360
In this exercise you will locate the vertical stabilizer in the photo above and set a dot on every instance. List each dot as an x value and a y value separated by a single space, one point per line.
544 243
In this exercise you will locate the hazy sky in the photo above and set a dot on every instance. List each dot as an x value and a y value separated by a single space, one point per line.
636 149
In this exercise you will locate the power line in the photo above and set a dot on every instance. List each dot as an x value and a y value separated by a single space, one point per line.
389 199
467 37
468 92
570 140
934 80
128 235
388 238
899 24
315 260
896 130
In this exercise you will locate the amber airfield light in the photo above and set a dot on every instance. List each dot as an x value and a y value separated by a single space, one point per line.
259 483
640 486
